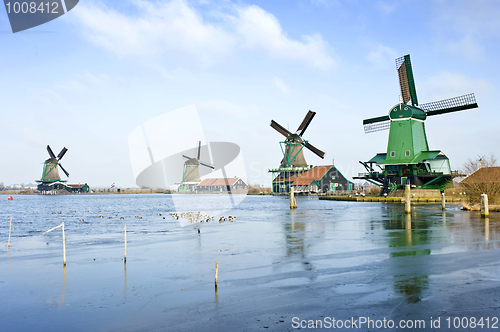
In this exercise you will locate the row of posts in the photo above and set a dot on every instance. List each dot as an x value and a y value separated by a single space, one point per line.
484 202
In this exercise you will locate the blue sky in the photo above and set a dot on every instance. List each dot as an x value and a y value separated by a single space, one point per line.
87 79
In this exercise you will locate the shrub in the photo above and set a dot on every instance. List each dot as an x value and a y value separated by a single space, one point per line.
374 191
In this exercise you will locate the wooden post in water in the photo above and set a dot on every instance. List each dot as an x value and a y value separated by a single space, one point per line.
10 226
293 204
125 252
485 211
64 245
216 272
64 284
407 199
486 229
443 202
408 229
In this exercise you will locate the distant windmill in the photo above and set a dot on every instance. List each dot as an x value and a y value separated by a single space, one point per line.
50 172
408 159
293 161
293 155
191 173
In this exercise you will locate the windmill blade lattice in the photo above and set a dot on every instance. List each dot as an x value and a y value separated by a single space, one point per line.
456 104
376 124
406 81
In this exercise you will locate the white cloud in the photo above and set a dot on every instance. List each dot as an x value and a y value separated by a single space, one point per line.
33 136
175 28
278 82
322 3
467 27
445 85
467 45
381 57
159 28
261 29
385 7
228 110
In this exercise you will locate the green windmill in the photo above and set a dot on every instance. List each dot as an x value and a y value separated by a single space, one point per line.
408 159
50 174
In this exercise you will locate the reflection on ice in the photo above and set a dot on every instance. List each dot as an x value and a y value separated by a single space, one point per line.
370 253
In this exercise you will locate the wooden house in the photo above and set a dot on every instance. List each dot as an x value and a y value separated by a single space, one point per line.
317 179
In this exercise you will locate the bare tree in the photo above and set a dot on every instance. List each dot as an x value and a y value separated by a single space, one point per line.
485 182
471 164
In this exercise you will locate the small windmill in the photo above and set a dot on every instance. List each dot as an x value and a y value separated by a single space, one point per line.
191 173
408 159
50 172
292 147
293 161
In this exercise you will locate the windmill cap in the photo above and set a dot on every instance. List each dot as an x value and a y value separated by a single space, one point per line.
192 161
295 137
52 161
404 111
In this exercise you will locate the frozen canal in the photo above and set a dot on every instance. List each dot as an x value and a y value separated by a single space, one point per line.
278 269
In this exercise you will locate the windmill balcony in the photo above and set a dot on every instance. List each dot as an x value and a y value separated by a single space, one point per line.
367 174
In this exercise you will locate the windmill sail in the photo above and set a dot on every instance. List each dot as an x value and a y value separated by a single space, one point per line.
376 124
461 103
406 82
52 155
62 153
305 123
65 171
315 150
280 129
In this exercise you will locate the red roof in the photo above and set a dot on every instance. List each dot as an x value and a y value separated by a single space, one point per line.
219 182
315 173
207 182
225 182
485 174
303 182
